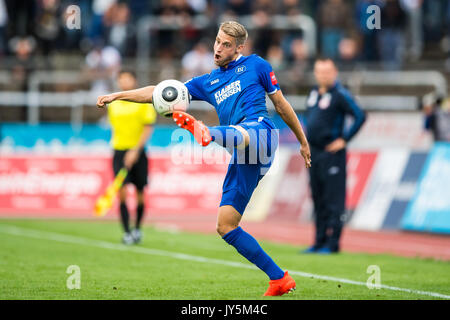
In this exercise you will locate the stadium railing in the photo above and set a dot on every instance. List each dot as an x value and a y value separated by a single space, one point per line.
35 97
147 24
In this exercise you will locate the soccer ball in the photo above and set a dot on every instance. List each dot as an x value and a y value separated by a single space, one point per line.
170 96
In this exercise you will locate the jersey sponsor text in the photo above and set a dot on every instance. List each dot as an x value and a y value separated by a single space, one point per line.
228 91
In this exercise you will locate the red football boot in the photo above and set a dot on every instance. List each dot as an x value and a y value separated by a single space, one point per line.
196 127
280 286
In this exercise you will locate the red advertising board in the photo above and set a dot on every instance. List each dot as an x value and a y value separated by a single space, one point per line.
189 188
68 186
359 167
293 199
36 185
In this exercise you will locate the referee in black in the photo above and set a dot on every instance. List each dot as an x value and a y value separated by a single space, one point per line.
328 104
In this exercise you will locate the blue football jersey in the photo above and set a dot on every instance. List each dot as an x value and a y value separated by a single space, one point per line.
237 92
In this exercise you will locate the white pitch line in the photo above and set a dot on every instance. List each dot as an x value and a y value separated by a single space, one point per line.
36 234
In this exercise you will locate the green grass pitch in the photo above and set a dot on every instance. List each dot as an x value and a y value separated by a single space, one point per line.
35 256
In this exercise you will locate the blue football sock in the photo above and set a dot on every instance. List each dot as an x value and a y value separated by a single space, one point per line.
247 246
226 136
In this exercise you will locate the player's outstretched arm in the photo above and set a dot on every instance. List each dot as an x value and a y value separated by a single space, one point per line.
141 95
286 112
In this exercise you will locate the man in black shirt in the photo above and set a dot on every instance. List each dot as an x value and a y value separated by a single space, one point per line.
327 106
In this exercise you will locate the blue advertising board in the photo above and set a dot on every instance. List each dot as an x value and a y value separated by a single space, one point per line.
429 210
405 190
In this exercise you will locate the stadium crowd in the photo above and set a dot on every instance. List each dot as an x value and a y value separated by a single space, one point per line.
34 36
343 32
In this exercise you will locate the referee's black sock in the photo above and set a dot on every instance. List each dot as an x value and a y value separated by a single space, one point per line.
124 216
139 214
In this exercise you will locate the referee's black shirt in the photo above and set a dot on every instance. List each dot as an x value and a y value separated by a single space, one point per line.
325 116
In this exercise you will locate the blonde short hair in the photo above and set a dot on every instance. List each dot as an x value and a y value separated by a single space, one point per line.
236 30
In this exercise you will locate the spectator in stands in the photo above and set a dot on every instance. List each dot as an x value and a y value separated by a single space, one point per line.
99 8
437 117
263 34
391 36
72 37
369 50
290 7
48 26
447 37
198 61
199 6
21 21
140 8
288 37
435 17
298 60
414 12
119 32
3 24
348 52
23 63
175 8
167 65
335 19
275 57
237 7
268 6
174 13
103 64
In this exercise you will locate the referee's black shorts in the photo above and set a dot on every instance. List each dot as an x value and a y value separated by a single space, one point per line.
138 173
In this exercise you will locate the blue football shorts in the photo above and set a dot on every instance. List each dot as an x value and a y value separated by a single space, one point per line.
248 166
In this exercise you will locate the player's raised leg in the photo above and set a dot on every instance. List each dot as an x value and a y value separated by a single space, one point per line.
230 136
194 126
226 136
228 227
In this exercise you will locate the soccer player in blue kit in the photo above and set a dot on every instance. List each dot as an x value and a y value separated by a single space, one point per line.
237 90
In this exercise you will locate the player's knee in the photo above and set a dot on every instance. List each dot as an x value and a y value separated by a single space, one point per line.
123 194
245 135
222 229
140 196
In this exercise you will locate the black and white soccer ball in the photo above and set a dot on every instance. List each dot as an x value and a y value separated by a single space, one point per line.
170 96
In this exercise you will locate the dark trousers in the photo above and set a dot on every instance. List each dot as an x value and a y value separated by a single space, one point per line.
137 175
327 181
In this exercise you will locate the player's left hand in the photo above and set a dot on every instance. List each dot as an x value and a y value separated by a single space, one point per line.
102 101
130 158
306 154
336 145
